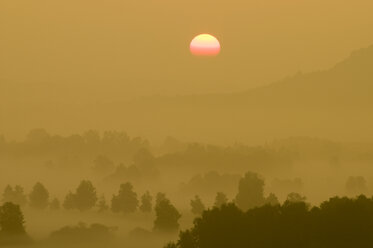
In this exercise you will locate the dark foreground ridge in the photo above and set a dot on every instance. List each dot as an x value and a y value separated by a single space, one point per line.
338 222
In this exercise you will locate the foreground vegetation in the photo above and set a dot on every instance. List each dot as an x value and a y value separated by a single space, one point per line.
338 222
111 190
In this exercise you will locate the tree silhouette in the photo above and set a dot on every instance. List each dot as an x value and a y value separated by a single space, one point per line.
250 191
220 199
160 197
170 245
167 216
83 199
69 202
295 197
126 201
15 195
338 222
187 239
8 194
85 196
11 219
39 197
146 202
197 205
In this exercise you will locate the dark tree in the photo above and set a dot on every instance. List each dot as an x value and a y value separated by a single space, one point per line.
220 199
250 191
54 204
8 194
295 197
170 245
167 216
85 197
126 201
160 197
187 239
39 197
338 222
11 219
197 205
146 202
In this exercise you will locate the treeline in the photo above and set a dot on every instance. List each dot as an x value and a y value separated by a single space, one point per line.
39 143
119 145
83 198
251 218
250 194
126 200
236 158
13 229
338 222
174 156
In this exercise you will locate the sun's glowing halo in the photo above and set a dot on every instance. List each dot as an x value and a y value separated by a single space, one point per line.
205 45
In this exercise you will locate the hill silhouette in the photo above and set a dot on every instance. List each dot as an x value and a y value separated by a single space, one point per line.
331 103
346 84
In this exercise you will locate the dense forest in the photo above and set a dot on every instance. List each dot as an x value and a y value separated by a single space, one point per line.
337 222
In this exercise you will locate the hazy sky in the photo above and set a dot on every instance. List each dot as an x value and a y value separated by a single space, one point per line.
123 48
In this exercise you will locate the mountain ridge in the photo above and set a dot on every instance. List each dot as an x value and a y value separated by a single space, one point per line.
359 61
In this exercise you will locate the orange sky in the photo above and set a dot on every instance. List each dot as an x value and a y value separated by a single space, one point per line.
125 48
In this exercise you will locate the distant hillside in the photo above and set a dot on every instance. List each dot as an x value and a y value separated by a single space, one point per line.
349 83
335 104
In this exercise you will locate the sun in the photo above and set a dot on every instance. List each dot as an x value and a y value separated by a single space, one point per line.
205 45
